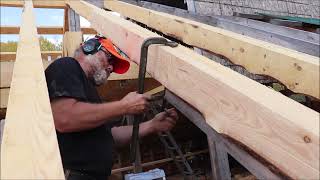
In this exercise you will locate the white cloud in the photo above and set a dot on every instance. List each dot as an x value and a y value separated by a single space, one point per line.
84 22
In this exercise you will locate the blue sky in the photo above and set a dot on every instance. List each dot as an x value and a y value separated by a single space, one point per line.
11 16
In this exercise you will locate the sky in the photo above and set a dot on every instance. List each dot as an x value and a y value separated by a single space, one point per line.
11 16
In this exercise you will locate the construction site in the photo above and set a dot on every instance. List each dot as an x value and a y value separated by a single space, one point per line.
243 76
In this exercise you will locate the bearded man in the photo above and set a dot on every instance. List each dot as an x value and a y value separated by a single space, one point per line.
83 121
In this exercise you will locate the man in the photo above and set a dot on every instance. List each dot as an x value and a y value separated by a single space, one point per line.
82 121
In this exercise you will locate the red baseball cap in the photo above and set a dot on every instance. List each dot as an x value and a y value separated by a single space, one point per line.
121 65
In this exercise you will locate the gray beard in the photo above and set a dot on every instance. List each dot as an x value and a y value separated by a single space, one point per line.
100 77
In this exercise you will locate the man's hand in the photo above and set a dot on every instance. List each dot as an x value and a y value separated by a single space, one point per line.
135 103
164 121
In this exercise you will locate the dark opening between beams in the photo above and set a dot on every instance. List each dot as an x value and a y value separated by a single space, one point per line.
173 3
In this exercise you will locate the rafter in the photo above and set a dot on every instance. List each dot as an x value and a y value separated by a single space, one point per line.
280 130
43 30
298 71
29 149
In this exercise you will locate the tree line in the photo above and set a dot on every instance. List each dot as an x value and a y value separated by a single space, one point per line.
45 45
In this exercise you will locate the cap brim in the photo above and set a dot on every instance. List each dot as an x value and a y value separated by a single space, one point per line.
121 65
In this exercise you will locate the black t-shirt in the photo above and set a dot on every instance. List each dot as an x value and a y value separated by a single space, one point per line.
89 150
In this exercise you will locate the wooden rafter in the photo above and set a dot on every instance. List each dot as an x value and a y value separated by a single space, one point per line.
29 148
11 56
280 130
7 69
298 71
43 30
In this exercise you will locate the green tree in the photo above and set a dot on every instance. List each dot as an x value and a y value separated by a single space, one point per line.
10 46
46 45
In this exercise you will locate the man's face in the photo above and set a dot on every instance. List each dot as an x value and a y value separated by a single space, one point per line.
102 66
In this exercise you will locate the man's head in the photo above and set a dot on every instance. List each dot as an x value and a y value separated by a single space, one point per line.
103 59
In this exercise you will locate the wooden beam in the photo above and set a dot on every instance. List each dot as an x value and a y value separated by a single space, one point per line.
11 56
4 95
298 71
43 30
254 165
71 41
302 41
280 130
58 4
6 69
123 169
73 21
29 148
66 20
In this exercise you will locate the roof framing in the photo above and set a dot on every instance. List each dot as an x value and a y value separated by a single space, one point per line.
58 4
267 122
43 30
29 143
298 71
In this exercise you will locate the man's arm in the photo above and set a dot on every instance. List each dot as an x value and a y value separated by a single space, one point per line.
71 115
162 122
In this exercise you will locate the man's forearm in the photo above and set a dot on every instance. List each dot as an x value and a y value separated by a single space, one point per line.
82 116
122 135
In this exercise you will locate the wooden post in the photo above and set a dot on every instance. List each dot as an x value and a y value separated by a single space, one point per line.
219 159
219 146
29 149
74 21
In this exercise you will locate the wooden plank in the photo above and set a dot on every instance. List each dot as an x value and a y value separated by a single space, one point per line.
260 170
6 69
66 20
71 41
155 90
119 170
4 95
59 4
277 128
29 148
43 30
219 160
298 71
73 20
11 56
298 40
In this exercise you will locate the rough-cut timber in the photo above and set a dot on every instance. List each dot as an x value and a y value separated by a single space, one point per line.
43 30
298 71
4 94
7 69
60 4
29 148
71 41
11 56
279 129
302 41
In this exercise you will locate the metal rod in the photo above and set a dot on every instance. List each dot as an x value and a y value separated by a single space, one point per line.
142 73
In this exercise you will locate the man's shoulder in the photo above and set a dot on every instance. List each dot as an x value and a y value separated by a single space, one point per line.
64 63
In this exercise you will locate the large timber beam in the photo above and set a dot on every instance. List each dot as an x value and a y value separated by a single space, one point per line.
298 71
59 4
6 69
11 56
29 148
43 30
302 41
280 130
